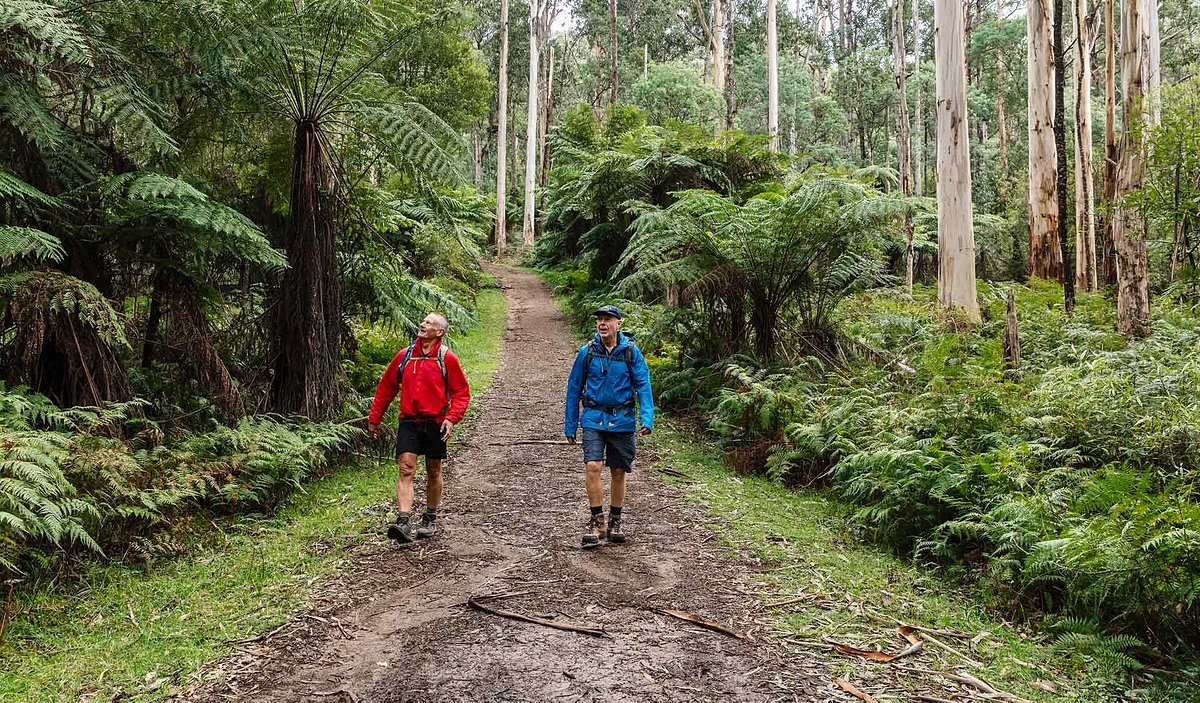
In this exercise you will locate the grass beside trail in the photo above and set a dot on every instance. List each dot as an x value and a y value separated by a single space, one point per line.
140 634
846 591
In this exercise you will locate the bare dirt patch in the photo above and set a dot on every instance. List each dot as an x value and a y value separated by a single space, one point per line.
397 627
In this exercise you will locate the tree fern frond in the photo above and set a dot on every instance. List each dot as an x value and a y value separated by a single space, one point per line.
17 242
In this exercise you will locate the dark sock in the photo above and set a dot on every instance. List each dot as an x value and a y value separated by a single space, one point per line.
431 513
615 511
597 509
401 517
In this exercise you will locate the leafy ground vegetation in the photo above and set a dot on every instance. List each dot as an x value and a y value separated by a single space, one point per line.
214 232
141 629
1063 491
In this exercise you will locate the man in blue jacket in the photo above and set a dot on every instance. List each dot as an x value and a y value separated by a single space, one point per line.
609 379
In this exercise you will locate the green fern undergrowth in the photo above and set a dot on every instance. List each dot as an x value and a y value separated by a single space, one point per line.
144 633
854 593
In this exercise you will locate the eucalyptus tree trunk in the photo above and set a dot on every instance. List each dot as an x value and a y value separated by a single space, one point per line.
1085 183
502 135
956 237
1045 255
1154 60
613 75
730 98
477 154
545 116
772 78
902 136
1109 258
1129 235
1067 274
918 105
536 12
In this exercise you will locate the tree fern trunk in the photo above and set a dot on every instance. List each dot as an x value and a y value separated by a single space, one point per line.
306 316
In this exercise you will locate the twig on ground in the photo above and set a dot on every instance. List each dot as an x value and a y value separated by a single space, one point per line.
952 650
854 690
980 685
263 636
476 602
528 441
706 624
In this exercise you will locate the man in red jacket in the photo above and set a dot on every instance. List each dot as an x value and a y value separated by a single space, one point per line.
434 395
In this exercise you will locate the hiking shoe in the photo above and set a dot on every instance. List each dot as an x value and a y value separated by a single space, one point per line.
400 530
595 532
428 526
613 534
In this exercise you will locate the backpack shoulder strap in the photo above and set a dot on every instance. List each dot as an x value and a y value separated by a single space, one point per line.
441 358
404 364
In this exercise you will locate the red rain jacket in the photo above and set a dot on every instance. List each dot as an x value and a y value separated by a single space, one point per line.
423 392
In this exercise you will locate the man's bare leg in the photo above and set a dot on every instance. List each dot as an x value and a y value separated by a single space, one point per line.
595 493
404 482
616 502
616 491
433 498
401 531
433 483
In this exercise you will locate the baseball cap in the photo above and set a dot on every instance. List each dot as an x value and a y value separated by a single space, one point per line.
608 310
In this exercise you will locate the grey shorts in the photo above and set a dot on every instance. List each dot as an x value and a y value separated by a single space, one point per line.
616 449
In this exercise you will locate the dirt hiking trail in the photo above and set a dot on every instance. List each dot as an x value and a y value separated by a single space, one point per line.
396 627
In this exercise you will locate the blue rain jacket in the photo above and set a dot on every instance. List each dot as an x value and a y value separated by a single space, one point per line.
610 386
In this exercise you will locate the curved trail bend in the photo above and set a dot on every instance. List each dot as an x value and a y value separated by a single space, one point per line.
396 627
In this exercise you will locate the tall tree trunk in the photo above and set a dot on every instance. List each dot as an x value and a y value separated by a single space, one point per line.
1111 155
956 236
531 120
613 75
192 342
918 111
717 36
547 109
1085 185
1067 275
307 317
902 136
1129 234
502 135
1154 75
477 153
1045 255
772 78
730 43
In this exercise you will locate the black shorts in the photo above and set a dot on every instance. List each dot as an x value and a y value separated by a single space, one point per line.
421 437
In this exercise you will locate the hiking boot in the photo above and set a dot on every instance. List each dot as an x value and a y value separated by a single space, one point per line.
400 530
428 526
614 535
595 532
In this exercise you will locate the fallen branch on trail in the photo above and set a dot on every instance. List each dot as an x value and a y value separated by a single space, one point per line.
706 624
528 441
477 602
915 646
989 691
854 691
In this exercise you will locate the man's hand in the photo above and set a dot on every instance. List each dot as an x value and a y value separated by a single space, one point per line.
373 428
571 439
644 431
447 428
